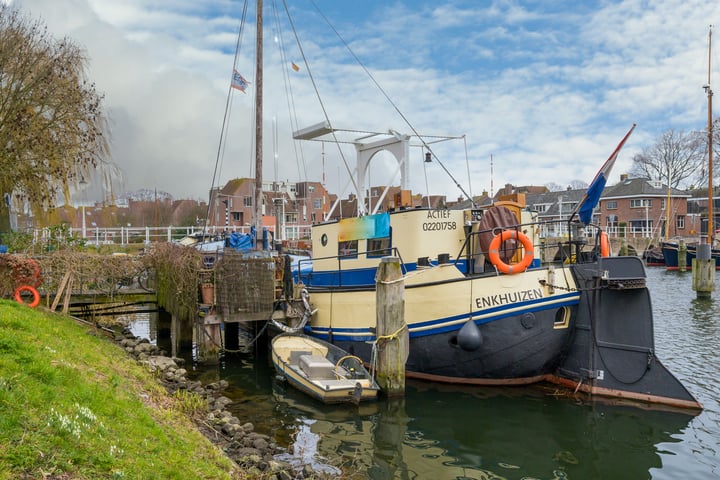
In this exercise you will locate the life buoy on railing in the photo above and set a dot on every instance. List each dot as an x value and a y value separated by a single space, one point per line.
604 245
27 288
494 251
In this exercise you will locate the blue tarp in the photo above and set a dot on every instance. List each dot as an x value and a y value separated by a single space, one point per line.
240 241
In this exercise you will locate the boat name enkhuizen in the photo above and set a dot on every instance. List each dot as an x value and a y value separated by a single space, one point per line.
506 298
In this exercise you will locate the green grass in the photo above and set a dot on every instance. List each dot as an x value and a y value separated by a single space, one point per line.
74 406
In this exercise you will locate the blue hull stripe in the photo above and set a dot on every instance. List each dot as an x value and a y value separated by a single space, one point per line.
449 324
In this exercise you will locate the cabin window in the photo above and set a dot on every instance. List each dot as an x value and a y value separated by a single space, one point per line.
348 248
378 247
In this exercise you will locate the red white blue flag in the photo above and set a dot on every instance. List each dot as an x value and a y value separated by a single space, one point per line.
238 81
592 196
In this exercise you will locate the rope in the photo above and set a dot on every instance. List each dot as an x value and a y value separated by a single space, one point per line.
389 282
374 354
393 335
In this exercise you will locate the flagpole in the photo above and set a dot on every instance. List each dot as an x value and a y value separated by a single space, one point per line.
258 125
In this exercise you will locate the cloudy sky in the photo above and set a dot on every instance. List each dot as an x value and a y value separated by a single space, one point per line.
545 88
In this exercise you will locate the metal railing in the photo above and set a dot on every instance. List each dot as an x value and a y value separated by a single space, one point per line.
128 235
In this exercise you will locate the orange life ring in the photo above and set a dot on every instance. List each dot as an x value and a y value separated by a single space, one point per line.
604 245
494 254
27 288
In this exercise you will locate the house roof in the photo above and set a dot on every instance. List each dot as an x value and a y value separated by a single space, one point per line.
232 186
640 187
552 199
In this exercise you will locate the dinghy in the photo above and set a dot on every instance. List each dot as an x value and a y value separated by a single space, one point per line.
322 370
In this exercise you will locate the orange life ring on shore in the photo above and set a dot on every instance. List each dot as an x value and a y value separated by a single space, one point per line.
27 288
494 254
604 245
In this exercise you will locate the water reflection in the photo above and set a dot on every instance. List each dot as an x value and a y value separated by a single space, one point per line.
436 432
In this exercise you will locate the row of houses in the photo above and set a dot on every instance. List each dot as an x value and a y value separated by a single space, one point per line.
632 207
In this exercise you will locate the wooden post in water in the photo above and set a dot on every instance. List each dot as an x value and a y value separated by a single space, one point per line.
703 271
682 256
209 338
392 333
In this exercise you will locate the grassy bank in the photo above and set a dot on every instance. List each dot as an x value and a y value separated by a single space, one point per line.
74 406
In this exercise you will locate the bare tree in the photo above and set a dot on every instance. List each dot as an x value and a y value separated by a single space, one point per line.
578 185
675 158
53 131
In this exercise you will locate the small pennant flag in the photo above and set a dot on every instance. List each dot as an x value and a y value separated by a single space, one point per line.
295 67
238 81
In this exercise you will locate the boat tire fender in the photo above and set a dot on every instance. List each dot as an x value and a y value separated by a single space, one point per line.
494 254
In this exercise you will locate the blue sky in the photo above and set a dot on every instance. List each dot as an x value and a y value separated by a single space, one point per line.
547 88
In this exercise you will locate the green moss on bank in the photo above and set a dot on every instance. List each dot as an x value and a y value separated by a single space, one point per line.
74 406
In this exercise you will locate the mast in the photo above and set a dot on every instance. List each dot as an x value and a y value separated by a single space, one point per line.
709 92
258 124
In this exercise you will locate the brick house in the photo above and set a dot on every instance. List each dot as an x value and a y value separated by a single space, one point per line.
231 206
637 207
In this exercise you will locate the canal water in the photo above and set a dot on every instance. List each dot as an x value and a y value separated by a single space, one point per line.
442 432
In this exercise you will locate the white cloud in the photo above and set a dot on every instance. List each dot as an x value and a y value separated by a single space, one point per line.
548 90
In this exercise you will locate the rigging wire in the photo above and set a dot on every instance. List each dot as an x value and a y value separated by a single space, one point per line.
317 93
228 107
467 165
292 111
387 97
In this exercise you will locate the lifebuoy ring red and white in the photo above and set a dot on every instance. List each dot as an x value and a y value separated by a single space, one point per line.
27 288
494 251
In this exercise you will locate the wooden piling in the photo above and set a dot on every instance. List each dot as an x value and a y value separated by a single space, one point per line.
392 333
682 256
703 271
209 338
